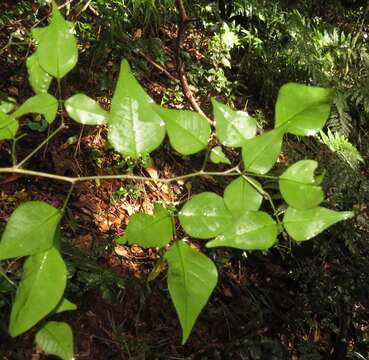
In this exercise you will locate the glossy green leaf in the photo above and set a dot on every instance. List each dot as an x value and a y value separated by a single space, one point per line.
8 126
6 106
150 230
38 78
305 224
85 110
42 286
44 104
188 131
57 52
299 187
205 215
304 108
191 279
30 229
56 338
241 196
253 230
232 127
65 305
261 153
135 128
217 156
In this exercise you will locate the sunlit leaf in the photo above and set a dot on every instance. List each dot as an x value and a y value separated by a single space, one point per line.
85 110
299 187
42 286
44 104
150 230
135 128
191 279
30 229
253 230
305 109
65 305
188 131
240 196
6 106
305 224
38 78
57 52
217 156
260 153
56 338
232 127
205 215
8 126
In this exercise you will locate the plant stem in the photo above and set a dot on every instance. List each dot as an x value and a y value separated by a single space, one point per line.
14 155
32 153
67 198
74 180
7 279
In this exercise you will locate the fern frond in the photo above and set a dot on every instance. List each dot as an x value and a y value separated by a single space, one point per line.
339 144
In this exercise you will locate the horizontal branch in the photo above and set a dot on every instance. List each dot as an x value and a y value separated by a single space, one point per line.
73 180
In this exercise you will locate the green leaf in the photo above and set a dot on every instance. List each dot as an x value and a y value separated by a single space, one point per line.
150 230
217 156
188 131
261 153
30 229
253 230
305 109
233 127
205 215
191 279
135 128
42 286
38 78
241 196
6 106
299 187
65 305
8 126
305 224
57 52
44 104
85 110
56 338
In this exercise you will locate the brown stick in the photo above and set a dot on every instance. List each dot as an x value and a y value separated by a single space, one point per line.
184 20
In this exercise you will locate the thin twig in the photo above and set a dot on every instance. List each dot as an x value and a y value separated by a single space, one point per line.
184 20
67 198
16 170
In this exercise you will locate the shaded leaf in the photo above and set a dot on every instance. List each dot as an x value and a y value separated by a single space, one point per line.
299 187
240 196
85 110
57 52
30 229
261 152
44 104
253 230
305 224
188 131
217 156
150 230
56 338
8 126
38 78
135 128
205 215
191 279
232 127
42 286
305 109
